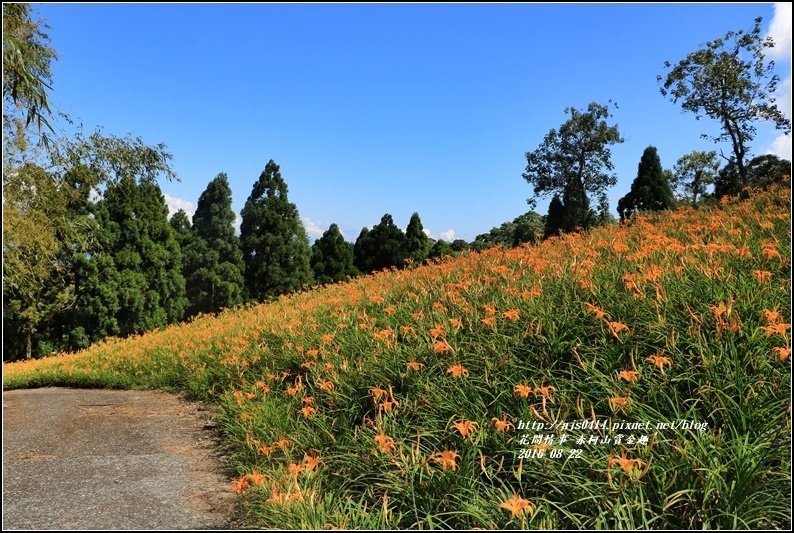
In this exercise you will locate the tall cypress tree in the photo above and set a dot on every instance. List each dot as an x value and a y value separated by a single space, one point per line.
214 260
275 245
362 252
417 244
332 257
135 281
388 244
650 190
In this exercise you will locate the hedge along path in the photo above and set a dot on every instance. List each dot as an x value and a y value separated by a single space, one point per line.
107 459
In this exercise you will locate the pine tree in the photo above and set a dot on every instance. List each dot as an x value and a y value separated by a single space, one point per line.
417 244
135 282
274 242
362 252
387 243
554 218
332 257
650 190
214 260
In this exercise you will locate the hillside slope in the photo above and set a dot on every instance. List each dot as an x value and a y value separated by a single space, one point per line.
636 376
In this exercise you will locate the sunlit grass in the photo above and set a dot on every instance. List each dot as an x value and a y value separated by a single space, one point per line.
395 400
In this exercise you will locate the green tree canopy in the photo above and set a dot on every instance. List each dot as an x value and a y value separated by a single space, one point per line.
417 244
694 172
574 161
387 244
729 81
524 228
332 257
274 242
761 171
214 264
650 190
138 264
27 74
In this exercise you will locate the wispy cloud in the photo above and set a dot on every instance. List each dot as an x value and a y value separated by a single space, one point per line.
175 204
780 31
314 231
448 235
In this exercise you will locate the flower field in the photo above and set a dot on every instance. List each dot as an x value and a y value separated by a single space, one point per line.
635 376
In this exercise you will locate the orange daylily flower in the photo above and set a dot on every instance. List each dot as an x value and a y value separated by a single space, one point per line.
782 353
441 347
407 330
307 400
389 310
629 375
385 443
617 327
517 505
660 360
490 310
262 386
511 314
295 469
415 365
389 405
619 402
328 337
771 317
377 392
465 427
545 392
630 466
438 331
311 462
502 425
326 385
762 275
456 323
447 459
489 321
776 329
522 390
265 450
599 314
308 411
457 371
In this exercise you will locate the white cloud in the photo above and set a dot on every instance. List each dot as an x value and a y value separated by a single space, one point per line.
448 235
175 204
238 220
780 31
781 147
426 232
312 228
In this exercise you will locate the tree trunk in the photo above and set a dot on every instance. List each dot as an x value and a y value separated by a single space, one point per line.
28 347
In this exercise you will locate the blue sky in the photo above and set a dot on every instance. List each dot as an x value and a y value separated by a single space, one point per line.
386 108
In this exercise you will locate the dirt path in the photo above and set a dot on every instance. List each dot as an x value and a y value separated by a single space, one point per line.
98 459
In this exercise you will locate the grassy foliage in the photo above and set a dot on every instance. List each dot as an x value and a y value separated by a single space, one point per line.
395 400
